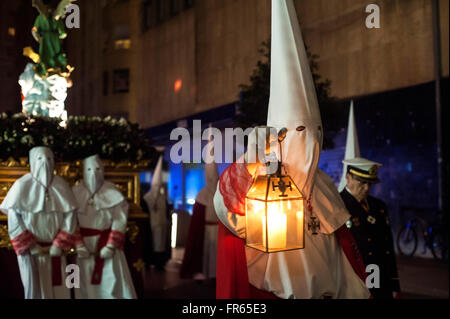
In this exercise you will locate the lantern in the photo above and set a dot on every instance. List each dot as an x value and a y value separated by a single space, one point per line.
274 213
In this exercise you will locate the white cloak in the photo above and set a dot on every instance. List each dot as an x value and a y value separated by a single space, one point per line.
116 280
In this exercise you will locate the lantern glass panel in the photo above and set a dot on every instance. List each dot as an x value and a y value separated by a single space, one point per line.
256 212
274 215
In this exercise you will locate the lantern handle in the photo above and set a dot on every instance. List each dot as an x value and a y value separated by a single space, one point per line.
282 134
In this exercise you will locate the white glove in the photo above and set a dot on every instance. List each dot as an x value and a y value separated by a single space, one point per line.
107 252
55 251
36 250
82 252
261 141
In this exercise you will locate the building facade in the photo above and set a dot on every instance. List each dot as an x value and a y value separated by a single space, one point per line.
186 56
162 63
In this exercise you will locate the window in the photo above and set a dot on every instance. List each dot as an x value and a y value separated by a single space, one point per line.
161 10
121 81
122 36
121 32
147 10
174 7
155 12
105 83
122 44
188 4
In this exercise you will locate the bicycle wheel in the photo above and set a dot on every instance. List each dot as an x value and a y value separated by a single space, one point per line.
439 247
407 241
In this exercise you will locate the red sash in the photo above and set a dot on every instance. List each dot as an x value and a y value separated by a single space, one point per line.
56 267
99 262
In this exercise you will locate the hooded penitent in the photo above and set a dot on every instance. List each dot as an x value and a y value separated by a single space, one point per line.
40 190
351 146
102 219
40 208
293 105
321 268
154 192
156 202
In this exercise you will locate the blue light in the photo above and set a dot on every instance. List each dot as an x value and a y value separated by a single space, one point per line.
194 181
146 177
175 185
409 167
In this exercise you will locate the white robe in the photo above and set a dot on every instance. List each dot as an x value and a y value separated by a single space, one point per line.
158 221
116 280
36 271
321 269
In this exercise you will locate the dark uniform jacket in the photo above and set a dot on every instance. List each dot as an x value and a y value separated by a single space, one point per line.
373 236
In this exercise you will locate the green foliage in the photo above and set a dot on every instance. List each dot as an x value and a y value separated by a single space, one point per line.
112 139
254 98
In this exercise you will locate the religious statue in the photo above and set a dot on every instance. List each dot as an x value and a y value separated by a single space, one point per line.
44 83
49 30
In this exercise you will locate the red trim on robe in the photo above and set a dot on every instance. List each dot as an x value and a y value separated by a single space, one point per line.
117 239
55 266
99 262
78 239
193 252
23 242
63 240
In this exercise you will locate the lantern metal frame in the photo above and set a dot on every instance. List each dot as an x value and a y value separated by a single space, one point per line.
269 181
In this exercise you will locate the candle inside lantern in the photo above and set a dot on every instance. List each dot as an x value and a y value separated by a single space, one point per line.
277 224
300 225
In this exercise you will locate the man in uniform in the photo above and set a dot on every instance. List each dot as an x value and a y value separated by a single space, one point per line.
369 224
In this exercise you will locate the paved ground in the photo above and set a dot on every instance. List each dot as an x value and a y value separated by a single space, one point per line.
423 278
167 284
420 278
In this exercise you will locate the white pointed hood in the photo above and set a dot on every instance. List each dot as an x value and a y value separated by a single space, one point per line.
293 99
293 104
93 173
206 195
157 174
42 164
154 192
351 146
94 190
40 190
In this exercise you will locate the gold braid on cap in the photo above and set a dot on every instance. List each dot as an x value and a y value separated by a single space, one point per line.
372 174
